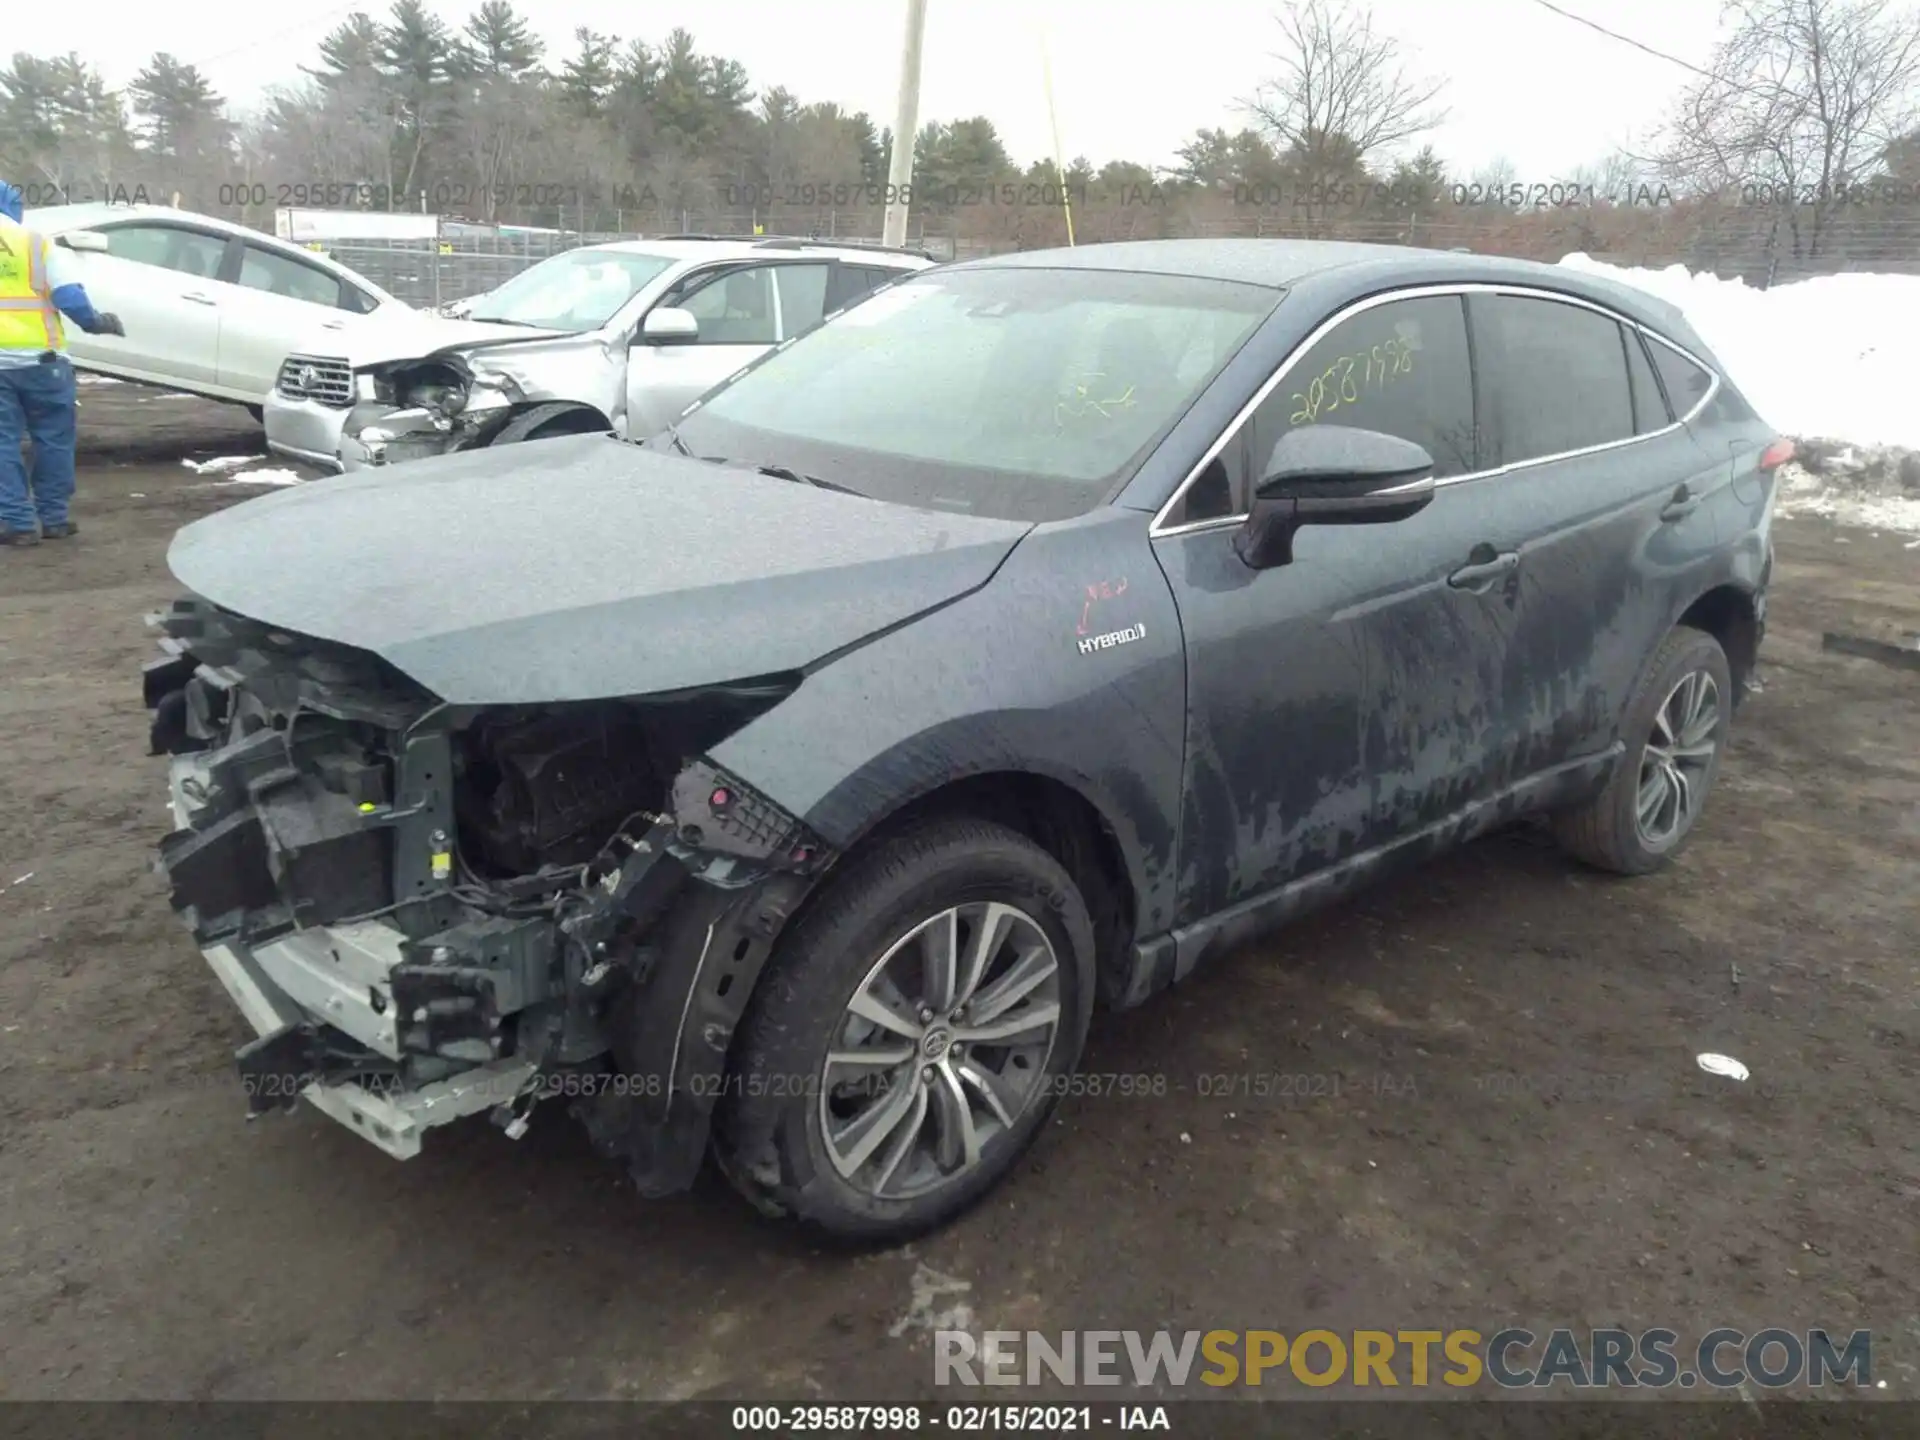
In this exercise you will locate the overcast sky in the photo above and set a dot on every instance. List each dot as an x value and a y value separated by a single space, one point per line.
1131 81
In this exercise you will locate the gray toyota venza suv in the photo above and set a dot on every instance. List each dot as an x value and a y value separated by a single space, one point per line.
788 787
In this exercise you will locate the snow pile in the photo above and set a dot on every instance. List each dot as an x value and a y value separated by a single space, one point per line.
1834 362
1833 357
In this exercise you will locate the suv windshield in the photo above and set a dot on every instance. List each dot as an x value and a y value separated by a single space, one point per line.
579 290
1024 393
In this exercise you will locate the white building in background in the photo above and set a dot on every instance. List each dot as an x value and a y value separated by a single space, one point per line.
323 227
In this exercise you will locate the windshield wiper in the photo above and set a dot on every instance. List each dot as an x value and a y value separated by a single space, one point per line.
781 472
672 437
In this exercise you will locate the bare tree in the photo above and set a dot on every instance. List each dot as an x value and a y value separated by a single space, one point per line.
1614 179
1797 107
333 133
1489 184
497 121
1342 98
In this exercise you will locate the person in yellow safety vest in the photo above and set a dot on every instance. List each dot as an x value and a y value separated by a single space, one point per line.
36 378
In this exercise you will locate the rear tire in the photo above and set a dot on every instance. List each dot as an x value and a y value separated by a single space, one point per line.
545 422
1676 731
922 1112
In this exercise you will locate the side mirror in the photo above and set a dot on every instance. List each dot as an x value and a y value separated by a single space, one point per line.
668 326
1331 475
91 241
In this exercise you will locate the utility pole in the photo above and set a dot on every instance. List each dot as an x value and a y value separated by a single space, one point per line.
906 121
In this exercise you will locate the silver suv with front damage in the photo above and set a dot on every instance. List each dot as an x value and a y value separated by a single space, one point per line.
618 337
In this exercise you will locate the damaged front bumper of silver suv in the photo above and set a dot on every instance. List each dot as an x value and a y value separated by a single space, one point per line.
426 913
323 412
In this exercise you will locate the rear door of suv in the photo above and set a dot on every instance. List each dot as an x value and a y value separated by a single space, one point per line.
1604 497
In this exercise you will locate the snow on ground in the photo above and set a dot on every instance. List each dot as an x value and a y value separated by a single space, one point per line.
1833 358
1804 493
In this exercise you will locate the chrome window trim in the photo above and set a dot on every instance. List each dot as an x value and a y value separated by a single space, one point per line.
1159 529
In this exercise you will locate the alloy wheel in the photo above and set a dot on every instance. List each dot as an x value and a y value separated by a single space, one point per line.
943 1046
1678 756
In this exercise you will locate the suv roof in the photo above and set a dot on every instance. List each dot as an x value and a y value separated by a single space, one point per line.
1285 264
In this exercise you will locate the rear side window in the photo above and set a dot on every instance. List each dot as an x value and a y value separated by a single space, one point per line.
1649 405
803 296
855 282
1400 368
263 269
1554 377
1686 383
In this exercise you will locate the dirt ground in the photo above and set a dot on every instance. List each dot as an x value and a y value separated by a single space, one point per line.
1520 1133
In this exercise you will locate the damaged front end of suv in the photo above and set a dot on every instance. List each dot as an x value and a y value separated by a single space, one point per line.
459 397
429 911
456 818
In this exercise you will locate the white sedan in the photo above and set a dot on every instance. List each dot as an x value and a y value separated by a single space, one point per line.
210 307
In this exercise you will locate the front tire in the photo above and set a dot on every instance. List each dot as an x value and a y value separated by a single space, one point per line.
911 1035
1676 730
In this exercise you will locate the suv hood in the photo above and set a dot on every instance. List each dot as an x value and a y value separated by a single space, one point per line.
388 335
582 568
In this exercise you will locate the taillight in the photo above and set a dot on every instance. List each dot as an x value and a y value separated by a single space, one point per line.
1776 454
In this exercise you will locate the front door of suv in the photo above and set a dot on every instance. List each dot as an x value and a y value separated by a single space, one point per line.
1352 696
743 311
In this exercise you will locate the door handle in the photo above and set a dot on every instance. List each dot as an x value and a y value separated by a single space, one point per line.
1480 576
1683 504
197 298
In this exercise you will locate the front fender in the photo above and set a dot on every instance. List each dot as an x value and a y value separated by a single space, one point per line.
1067 664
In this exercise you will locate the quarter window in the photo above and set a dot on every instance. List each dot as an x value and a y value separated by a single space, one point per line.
1399 368
1554 376
359 301
1685 382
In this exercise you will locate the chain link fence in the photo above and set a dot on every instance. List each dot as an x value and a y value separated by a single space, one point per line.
467 260
1760 245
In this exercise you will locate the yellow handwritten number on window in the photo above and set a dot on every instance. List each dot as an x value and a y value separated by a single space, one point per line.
1337 385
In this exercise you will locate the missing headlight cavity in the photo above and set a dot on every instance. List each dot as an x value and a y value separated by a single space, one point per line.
365 797
433 385
538 788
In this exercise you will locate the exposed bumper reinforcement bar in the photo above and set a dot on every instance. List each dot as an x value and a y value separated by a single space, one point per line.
393 1121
